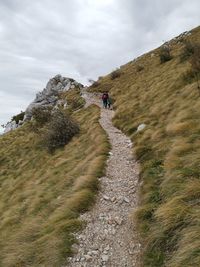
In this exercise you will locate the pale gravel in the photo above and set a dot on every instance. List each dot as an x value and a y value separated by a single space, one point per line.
110 238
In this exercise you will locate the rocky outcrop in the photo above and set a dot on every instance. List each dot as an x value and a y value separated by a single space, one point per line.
12 125
50 94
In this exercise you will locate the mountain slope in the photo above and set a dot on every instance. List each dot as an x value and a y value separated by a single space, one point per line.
42 194
165 98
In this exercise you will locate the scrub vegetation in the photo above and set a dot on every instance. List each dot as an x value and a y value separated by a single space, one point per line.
43 194
164 96
74 99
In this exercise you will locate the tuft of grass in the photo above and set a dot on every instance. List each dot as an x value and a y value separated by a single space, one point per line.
74 99
139 68
168 151
43 194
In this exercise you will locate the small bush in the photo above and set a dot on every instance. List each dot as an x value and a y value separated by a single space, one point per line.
193 74
41 116
195 65
195 60
188 76
59 131
165 54
115 74
18 117
139 68
188 50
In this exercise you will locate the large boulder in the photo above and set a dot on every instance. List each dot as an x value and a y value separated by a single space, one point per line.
49 96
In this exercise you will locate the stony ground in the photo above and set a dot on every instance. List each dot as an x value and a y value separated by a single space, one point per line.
110 237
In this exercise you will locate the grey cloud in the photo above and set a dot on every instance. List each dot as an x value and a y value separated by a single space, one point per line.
78 38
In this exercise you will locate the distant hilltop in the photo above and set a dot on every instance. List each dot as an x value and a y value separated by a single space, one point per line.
49 96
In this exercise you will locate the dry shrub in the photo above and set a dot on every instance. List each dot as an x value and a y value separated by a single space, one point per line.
192 51
188 50
196 57
165 54
195 63
59 131
188 76
41 116
115 74
18 117
139 68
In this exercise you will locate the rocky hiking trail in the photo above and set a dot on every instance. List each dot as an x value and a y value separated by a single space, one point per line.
110 238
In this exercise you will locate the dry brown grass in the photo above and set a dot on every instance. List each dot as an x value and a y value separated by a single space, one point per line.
42 195
74 99
168 150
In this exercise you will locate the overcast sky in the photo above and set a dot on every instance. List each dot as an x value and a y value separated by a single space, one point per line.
80 39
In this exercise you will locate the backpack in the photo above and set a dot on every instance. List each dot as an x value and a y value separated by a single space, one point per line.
105 96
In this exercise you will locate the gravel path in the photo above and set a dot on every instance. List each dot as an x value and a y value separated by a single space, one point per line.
110 238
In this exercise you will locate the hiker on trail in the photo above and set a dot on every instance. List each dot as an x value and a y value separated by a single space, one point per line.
105 98
109 102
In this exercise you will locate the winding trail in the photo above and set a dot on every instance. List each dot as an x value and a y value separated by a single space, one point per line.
110 238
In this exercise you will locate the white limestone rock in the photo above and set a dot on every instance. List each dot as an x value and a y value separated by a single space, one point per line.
141 127
49 95
12 125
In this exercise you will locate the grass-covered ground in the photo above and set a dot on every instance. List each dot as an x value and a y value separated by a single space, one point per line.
74 99
166 99
42 194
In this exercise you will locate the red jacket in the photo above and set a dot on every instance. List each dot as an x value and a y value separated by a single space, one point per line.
105 96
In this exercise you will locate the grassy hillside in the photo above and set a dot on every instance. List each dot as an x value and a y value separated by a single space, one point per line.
165 98
42 194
